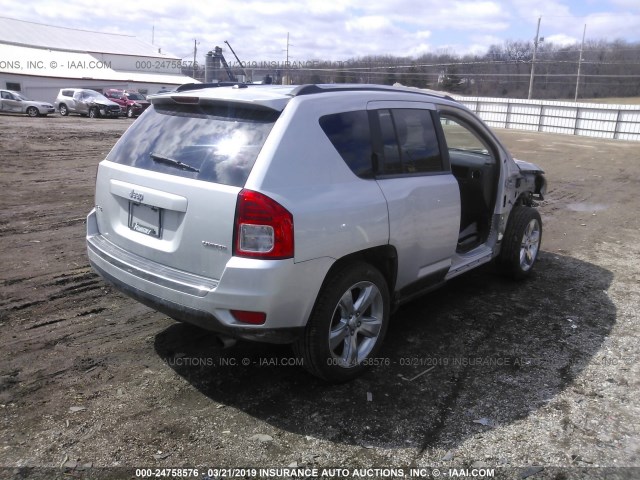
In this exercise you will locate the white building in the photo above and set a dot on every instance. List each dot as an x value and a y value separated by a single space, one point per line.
38 60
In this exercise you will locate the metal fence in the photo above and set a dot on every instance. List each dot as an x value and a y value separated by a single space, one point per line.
586 119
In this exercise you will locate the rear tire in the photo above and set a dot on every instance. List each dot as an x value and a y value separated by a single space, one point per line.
64 111
521 243
347 325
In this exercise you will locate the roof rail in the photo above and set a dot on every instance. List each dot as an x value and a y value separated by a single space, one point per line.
197 86
310 89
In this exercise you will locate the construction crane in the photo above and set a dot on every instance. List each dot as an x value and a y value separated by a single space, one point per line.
216 60
218 55
239 62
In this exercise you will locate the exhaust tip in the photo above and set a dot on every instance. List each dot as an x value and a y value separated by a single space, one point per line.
226 342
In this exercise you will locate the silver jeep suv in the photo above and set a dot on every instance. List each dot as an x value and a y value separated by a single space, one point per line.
305 214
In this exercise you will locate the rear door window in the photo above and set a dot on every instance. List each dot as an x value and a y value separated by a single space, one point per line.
215 143
409 143
350 135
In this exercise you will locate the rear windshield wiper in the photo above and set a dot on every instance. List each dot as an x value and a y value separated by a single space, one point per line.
170 161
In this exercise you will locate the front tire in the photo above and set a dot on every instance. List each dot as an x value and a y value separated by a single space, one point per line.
33 112
129 112
521 243
347 325
93 113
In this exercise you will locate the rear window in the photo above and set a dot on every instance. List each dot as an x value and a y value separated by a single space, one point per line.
213 143
134 96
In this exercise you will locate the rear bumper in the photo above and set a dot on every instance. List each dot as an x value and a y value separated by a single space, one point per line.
200 318
284 290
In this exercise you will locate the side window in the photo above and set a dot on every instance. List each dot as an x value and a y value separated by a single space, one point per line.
391 163
459 137
471 157
67 93
349 133
7 96
409 142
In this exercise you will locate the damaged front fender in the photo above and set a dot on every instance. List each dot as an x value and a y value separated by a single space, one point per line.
534 175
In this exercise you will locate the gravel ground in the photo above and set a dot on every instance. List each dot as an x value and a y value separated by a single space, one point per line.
537 378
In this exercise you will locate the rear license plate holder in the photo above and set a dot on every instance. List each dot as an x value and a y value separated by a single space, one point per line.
145 219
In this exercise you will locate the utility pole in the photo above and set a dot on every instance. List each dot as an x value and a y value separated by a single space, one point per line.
533 61
580 62
287 63
195 50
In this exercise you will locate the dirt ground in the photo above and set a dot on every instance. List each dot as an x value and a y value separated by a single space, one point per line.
540 376
616 100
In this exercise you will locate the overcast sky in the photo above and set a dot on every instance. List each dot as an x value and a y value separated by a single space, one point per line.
337 29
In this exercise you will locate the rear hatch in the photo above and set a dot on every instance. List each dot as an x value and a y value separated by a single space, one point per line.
167 191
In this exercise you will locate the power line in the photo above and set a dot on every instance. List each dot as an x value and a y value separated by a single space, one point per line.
459 74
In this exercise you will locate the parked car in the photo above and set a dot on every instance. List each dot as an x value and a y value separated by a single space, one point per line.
16 102
86 102
64 102
132 102
306 214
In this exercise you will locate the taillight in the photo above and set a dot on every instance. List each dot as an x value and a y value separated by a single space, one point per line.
263 228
